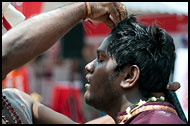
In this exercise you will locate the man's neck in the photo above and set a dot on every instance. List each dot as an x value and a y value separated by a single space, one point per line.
123 104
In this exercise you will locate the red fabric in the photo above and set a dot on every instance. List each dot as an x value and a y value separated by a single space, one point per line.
29 8
6 24
170 22
68 101
96 29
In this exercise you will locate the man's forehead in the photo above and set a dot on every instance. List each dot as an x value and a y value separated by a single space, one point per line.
105 43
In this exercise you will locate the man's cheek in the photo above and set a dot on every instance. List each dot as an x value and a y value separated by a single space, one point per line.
100 78
110 65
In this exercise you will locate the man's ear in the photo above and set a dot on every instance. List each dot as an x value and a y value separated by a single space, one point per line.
131 75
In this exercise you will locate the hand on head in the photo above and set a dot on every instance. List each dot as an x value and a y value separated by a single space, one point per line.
173 86
110 13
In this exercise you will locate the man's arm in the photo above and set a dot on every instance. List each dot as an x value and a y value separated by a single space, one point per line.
44 115
35 35
102 120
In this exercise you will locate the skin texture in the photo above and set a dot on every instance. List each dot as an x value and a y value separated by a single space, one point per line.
100 80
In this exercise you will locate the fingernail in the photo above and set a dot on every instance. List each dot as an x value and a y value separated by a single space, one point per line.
113 19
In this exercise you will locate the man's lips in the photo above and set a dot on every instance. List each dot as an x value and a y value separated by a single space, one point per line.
87 86
88 78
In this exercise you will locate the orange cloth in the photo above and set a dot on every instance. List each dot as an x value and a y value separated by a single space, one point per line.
17 79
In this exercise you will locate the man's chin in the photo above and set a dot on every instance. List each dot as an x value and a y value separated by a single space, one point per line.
87 96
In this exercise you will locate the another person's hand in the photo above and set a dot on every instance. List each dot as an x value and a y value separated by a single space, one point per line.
173 86
110 13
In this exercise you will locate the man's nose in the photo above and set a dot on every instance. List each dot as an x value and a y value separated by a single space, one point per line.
90 67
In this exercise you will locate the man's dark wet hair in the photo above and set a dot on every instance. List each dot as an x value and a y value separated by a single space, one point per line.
148 47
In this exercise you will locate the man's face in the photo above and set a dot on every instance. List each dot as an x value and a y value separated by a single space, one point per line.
103 87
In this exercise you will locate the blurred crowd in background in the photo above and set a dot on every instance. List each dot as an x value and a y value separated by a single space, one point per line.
56 78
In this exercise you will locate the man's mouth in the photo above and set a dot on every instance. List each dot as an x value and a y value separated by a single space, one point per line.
88 78
87 85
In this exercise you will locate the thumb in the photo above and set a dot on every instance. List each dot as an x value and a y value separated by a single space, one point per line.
173 86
